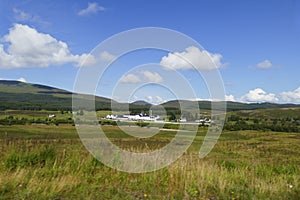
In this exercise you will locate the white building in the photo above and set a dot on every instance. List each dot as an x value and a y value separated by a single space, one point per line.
51 116
140 117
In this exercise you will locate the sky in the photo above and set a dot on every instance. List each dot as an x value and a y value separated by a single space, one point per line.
253 45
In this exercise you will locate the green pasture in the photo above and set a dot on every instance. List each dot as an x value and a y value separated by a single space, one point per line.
50 162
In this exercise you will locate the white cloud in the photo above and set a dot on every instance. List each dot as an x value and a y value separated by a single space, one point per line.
259 95
91 60
135 97
22 16
192 58
22 80
154 99
86 60
106 56
152 77
130 78
198 99
229 98
226 98
159 99
149 99
148 76
92 8
26 47
291 96
266 64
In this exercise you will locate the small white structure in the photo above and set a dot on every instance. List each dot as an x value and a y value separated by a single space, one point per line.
140 117
51 116
204 121
182 120
111 116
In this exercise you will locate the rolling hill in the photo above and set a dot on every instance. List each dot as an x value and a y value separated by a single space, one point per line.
231 106
141 103
17 95
25 96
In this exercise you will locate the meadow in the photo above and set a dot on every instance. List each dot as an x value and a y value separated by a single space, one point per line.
50 162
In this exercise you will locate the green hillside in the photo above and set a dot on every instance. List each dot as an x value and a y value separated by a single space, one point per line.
231 106
287 114
25 96
17 95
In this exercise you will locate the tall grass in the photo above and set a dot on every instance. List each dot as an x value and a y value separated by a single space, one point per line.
243 165
16 160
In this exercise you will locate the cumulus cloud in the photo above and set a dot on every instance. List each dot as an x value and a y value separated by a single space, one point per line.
86 60
159 99
229 98
106 56
192 58
291 96
143 76
266 64
26 47
154 99
92 8
22 16
152 77
22 80
259 95
149 99
130 78
91 60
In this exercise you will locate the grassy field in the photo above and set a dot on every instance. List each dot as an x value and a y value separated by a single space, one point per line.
50 162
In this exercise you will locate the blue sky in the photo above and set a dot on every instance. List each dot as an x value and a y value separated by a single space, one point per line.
256 44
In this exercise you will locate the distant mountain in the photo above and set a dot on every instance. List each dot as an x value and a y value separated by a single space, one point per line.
141 103
231 106
26 96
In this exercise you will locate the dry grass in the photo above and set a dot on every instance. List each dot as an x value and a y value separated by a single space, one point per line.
243 165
